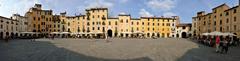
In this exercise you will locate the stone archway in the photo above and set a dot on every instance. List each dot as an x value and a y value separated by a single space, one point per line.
184 35
109 33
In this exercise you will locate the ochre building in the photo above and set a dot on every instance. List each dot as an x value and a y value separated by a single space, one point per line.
97 23
222 19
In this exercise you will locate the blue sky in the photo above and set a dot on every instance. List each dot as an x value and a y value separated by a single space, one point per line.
186 9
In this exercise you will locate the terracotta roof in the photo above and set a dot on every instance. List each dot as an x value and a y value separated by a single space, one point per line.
184 24
97 9
221 6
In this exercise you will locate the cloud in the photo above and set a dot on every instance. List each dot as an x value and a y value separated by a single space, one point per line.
123 1
169 14
9 7
163 5
145 13
100 3
123 13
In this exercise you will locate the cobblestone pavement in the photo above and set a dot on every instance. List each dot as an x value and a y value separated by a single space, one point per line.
164 49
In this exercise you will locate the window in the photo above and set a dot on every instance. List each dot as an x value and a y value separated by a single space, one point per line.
116 23
127 21
227 13
235 19
34 18
93 23
235 27
220 22
235 11
214 22
220 29
142 23
109 23
38 18
93 28
34 25
227 20
163 24
88 23
184 27
103 23
132 23
121 21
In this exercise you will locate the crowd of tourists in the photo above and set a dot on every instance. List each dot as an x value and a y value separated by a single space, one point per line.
221 43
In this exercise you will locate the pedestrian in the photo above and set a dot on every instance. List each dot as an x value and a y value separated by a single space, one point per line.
217 43
225 46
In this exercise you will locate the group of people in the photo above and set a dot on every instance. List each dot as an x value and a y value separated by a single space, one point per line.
221 43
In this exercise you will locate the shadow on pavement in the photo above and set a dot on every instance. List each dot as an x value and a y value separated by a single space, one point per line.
46 51
205 53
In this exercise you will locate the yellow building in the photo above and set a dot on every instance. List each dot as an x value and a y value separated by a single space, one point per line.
40 21
96 23
222 19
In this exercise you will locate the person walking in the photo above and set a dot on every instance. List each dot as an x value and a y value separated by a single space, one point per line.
217 43
225 46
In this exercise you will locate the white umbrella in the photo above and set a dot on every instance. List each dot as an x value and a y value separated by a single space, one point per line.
216 33
54 33
65 33
205 34
229 34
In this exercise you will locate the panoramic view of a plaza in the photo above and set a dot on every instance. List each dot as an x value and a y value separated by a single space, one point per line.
119 30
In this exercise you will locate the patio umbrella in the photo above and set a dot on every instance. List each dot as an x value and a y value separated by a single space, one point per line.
216 33
229 34
206 34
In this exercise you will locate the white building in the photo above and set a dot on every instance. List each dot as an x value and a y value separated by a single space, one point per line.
183 30
8 27
22 23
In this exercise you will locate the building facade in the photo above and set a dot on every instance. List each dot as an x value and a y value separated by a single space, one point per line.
96 22
22 24
222 19
183 30
8 27
40 21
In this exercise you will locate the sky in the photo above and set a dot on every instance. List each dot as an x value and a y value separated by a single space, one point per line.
185 9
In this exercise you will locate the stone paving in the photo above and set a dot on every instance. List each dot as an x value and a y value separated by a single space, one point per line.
164 49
